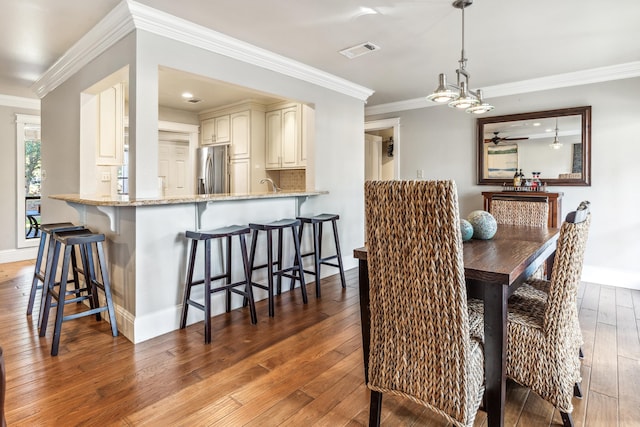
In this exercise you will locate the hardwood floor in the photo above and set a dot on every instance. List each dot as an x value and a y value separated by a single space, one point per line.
301 368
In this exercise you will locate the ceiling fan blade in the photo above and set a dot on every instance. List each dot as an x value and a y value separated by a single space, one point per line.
515 139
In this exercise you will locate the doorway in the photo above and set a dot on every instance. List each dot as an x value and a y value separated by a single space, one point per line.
28 179
382 149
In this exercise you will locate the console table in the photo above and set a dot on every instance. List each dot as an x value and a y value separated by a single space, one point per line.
554 200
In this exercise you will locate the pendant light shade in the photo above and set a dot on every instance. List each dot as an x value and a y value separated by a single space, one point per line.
442 93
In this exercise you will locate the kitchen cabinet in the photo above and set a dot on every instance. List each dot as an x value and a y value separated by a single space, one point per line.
240 175
246 144
216 130
285 142
110 126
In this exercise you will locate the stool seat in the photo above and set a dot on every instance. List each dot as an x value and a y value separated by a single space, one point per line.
280 271
85 241
316 222
232 230
318 218
275 225
228 287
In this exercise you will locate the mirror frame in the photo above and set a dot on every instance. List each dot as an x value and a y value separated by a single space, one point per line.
584 112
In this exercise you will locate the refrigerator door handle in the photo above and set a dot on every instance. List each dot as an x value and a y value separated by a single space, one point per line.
209 175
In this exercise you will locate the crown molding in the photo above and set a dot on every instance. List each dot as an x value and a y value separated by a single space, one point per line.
19 102
129 15
594 75
113 27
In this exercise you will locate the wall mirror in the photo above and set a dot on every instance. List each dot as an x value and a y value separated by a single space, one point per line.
555 143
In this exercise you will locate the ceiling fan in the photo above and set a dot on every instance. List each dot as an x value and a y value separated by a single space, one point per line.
496 139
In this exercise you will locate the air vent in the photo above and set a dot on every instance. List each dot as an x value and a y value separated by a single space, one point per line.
193 100
359 50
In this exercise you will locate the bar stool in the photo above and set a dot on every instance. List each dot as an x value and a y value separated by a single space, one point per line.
207 236
38 275
280 271
86 242
316 223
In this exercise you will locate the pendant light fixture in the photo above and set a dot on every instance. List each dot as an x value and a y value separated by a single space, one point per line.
459 95
556 144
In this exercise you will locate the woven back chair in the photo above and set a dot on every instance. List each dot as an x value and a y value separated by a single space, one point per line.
544 333
420 343
532 212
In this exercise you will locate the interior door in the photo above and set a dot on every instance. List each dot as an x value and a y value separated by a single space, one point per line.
173 168
372 157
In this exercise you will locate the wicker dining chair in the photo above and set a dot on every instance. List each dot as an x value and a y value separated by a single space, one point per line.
530 211
544 336
421 347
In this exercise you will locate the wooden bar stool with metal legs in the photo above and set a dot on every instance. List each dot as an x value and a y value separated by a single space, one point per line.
280 271
316 224
87 242
207 236
46 230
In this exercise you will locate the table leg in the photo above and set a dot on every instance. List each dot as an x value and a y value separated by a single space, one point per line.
365 314
495 352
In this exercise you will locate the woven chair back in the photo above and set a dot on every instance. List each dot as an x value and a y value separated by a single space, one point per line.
561 308
419 320
520 212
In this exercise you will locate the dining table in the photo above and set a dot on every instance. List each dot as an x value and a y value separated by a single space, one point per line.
493 269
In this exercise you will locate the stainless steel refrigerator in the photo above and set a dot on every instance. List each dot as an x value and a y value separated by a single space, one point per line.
212 169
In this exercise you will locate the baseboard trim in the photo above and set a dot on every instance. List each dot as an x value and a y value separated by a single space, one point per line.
14 255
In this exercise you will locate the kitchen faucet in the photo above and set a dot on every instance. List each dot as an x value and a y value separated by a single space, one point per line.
273 185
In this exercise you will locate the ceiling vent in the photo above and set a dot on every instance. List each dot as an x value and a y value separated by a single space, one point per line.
193 100
359 50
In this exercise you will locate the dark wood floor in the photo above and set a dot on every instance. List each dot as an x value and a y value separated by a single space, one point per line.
301 368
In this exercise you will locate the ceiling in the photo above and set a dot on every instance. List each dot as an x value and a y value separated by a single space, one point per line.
506 40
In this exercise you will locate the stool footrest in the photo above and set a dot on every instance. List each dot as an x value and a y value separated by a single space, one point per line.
86 313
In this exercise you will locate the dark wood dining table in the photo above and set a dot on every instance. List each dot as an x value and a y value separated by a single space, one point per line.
493 271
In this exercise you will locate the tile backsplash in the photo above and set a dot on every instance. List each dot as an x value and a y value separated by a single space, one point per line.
293 179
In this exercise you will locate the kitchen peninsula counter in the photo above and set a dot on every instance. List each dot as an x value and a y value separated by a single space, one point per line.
147 248
124 200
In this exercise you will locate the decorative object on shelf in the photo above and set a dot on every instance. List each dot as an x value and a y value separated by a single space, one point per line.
524 188
390 147
459 95
484 224
556 144
466 229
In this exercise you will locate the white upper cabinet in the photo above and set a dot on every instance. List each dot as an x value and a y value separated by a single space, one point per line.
285 145
216 130
110 129
240 135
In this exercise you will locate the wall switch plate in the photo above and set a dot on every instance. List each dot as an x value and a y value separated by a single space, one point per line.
106 177
420 173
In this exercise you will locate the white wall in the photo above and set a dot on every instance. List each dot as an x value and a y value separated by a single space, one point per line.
8 207
442 142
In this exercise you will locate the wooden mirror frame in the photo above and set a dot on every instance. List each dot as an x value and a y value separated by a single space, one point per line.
584 112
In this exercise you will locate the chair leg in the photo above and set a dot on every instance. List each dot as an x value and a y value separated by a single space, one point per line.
580 353
207 291
247 275
298 255
38 266
317 248
228 276
270 272
577 391
61 297
187 285
279 279
375 409
339 254
106 284
567 421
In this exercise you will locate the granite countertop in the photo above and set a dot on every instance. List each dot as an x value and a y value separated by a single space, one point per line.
96 200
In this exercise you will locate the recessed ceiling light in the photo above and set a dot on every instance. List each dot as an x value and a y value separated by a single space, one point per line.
537 124
364 10
187 95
